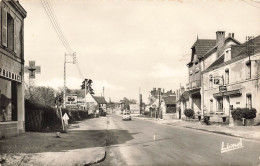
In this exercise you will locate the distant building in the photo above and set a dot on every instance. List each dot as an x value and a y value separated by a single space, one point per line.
12 116
95 104
165 100
239 76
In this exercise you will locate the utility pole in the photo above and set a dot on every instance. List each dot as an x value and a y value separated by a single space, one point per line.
159 102
140 100
65 62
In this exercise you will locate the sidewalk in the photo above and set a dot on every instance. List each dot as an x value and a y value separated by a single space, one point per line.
249 132
83 144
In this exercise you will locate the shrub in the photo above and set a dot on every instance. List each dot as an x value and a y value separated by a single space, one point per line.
246 113
250 113
189 113
206 120
237 114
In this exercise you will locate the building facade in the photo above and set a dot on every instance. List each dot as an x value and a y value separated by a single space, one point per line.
203 53
232 81
165 100
12 116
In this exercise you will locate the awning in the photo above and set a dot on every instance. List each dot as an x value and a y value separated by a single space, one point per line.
228 93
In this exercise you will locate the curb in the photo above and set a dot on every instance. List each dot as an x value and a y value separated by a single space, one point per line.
221 132
98 161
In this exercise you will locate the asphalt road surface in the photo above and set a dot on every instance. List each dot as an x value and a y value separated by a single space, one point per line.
142 142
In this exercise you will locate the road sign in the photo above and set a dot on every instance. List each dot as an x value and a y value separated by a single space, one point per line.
222 88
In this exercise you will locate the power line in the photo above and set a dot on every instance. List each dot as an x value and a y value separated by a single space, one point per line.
57 24
54 24
54 21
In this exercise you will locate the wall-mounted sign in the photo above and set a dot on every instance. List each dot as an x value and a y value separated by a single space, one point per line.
10 75
222 88
71 99
32 69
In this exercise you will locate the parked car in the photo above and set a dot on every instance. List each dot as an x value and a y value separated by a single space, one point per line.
126 116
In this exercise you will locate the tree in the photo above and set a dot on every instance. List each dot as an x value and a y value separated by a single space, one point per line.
41 95
88 84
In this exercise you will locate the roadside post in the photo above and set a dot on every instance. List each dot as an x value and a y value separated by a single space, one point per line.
61 118
65 118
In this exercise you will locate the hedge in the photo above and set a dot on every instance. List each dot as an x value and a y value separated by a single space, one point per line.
246 113
39 117
189 113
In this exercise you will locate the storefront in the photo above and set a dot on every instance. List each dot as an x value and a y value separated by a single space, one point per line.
11 68
11 101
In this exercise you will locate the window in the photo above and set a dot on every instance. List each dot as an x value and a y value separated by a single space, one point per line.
220 105
210 81
10 32
248 101
227 76
8 39
248 70
4 27
211 105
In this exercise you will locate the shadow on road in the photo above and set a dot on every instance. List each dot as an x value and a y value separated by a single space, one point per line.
33 142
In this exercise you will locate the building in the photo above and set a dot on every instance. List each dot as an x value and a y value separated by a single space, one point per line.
170 107
12 116
232 80
203 53
165 100
102 104
95 104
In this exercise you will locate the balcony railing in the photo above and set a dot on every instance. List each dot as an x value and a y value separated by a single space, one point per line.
193 85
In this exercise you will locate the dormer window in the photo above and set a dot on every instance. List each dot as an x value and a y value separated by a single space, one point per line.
227 55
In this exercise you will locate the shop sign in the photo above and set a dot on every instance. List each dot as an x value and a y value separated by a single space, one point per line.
10 75
222 88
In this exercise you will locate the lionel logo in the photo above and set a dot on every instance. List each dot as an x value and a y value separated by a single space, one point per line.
230 147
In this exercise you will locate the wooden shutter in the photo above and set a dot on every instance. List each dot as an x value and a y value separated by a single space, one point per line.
4 27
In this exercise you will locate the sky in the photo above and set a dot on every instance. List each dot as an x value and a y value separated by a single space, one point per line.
127 45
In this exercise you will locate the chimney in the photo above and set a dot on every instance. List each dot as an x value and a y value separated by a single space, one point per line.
220 40
229 34
232 35
182 89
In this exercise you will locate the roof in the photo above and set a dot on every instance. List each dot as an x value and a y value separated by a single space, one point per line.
219 61
184 96
237 53
169 100
202 46
100 99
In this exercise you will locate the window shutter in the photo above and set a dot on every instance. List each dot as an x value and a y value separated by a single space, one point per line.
4 27
15 36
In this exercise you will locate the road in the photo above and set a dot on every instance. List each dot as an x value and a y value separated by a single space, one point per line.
142 142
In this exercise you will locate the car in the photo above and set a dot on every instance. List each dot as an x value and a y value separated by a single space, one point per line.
126 116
